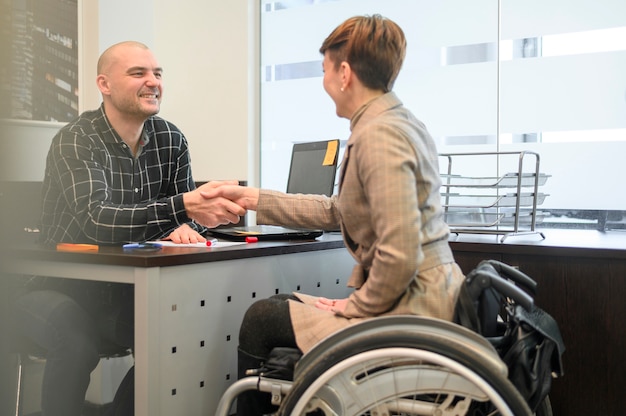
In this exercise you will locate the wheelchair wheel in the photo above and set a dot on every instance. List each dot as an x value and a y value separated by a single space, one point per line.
403 365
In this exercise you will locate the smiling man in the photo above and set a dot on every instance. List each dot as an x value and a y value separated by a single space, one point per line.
113 175
120 173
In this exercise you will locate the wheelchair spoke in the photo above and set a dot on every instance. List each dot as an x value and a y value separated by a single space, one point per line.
395 386
403 366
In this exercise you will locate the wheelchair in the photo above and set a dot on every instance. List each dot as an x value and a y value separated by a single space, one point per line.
396 365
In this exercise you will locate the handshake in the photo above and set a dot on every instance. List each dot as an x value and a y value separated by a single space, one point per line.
220 202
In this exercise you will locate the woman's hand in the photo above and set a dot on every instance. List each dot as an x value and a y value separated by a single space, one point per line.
333 305
244 196
207 207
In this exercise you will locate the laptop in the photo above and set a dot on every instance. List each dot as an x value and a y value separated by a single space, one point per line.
313 168
312 171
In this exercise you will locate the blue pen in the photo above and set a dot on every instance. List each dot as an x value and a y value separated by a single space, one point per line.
142 246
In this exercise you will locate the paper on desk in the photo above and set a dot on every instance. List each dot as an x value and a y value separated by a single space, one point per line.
168 243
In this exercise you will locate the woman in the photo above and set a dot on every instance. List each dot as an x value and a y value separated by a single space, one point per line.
388 207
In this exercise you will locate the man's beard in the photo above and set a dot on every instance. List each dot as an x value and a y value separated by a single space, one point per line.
137 108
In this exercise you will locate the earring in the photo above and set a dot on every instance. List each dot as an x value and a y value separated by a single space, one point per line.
341 89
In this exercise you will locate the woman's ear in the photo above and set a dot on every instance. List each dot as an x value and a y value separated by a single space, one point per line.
346 75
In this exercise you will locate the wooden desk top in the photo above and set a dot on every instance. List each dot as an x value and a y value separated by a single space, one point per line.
586 243
173 256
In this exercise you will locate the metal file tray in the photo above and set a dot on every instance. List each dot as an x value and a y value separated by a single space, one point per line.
457 200
525 218
505 204
472 219
508 180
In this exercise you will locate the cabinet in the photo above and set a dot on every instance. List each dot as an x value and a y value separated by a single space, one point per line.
475 202
582 288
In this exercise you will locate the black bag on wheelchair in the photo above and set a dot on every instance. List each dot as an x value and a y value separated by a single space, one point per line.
496 300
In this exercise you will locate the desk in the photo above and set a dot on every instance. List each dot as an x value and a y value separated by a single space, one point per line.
581 278
189 303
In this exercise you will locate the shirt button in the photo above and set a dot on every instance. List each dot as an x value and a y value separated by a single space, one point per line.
136 190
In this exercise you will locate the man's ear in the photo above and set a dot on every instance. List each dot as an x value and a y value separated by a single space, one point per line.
103 84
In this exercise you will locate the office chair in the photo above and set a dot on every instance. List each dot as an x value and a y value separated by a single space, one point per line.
26 351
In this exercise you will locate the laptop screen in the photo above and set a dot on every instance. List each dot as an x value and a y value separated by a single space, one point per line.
313 168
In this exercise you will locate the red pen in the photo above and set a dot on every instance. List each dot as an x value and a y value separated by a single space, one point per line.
252 239
211 242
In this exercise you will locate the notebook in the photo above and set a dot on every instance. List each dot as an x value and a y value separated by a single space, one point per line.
312 171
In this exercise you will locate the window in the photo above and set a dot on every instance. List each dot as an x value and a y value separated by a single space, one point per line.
484 76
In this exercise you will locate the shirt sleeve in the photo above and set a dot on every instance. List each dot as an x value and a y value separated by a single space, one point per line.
95 203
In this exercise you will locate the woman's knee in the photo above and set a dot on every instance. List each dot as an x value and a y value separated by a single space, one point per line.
257 313
266 324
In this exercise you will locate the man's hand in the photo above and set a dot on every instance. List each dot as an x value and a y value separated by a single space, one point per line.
185 235
243 196
212 211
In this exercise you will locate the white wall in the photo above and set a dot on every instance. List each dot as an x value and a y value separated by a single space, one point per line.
204 47
204 50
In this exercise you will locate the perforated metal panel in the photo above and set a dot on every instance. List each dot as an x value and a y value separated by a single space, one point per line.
202 307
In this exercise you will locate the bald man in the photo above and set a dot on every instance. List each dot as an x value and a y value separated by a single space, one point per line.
114 175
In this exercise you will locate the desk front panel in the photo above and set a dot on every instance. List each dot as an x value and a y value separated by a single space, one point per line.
199 312
189 304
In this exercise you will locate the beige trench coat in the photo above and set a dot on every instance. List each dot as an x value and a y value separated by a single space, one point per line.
390 214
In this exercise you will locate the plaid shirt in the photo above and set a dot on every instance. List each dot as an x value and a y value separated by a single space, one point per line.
95 191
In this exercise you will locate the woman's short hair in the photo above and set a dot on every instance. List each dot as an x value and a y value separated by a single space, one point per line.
374 46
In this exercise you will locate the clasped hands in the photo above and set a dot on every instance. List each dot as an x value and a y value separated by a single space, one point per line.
224 202
220 202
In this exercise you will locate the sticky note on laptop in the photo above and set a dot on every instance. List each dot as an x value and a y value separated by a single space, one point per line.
331 153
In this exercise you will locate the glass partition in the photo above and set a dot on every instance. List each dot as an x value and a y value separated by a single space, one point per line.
484 76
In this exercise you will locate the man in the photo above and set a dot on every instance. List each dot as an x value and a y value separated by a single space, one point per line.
114 175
